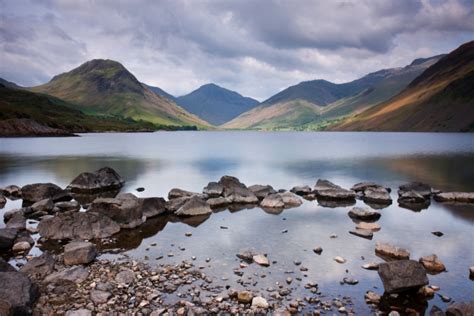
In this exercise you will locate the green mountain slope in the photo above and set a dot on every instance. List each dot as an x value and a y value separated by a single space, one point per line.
100 87
215 104
440 99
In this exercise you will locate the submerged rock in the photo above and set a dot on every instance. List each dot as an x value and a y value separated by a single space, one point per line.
17 293
125 209
388 251
460 197
432 264
79 252
402 275
104 179
364 214
195 206
32 193
325 189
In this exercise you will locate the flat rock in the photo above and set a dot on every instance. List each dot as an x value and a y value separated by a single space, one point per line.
195 206
32 193
325 189
43 206
39 266
79 312
432 264
78 225
261 260
260 302
459 197
368 226
388 251
371 266
213 189
261 191
125 209
71 206
18 292
125 276
241 195
402 275
16 221
290 199
218 202
272 201
179 193
339 259
377 195
364 214
104 179
79 252
364 233
417 187
100 297
152 206
174 204
76 274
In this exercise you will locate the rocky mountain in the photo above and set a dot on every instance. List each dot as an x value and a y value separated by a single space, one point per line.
307 106
105 87
215 104
440 99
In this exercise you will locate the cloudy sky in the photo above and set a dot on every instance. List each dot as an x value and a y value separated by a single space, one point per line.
255 47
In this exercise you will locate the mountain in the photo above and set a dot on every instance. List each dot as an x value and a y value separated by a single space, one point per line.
440 99
10 84
105 87
314 104
161 92
24 113
215 104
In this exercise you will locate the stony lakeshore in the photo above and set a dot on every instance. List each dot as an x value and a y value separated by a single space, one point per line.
76 225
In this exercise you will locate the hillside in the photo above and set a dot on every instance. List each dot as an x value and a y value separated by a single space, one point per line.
105 87
215 104
25 113
161 92
302 114
440 99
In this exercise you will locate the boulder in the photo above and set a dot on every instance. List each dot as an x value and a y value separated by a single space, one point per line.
71 206
302 190
195 206
19 294
364 233
241 195
9 214
153 206
273 201
42 207
174 204
33 193
261 191
460 309
79 252
178 193
7 237
213 189
411 197
75 274
3 201
229 182
218 202
390 252
261 260
104 179
78 225
459 197
362 186
39 266
402 275
124 209
290 199
432 264
325 189
6 267
11 191
17 221
418 187
21 246
378 195
363 214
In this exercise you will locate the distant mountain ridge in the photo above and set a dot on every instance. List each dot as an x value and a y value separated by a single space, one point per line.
215 104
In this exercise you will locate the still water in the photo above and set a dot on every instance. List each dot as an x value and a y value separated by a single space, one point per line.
189 160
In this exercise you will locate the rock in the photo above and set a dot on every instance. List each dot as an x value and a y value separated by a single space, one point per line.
471 272
244 297
125 276
272 201
325 189
39 266
11 191
417 187
437 234
368 226
195 206
176 193
301 190
36 192
78 225
432 264
371 266
364 233
71 206
100 297
363 214
7 237
261 191
218 202
411 197
21 246
260 302
79 312
152 206
213 189
402 275
362 186
43 207
290 199
3 201
240 195
426 291
436 311
372 298
460 309
174 204
125 209
17 221
75 274
387 251
229 182
460 197
79 252
104 179
339 259
246 255
318 250
261 260
18 292
377 195
350 281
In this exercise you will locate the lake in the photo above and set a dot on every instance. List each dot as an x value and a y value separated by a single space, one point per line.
189 160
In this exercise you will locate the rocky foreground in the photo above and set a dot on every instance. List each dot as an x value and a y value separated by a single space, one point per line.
91 210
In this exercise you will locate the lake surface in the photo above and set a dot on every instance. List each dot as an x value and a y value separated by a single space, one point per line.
189 160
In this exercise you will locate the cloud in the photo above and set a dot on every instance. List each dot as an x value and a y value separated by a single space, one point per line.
254 47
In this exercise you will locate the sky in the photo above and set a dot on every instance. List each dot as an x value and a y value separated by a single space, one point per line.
256 48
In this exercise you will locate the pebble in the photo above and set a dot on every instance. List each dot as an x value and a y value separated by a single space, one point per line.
339 259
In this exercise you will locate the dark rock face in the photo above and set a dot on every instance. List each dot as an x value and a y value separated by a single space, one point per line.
125 209
193 207
7 237
79 252
39 266
261 191
20 294
213 189
33 193
301 190
325 189
79 225
153 206
402 275
73 274
104 179
5 266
